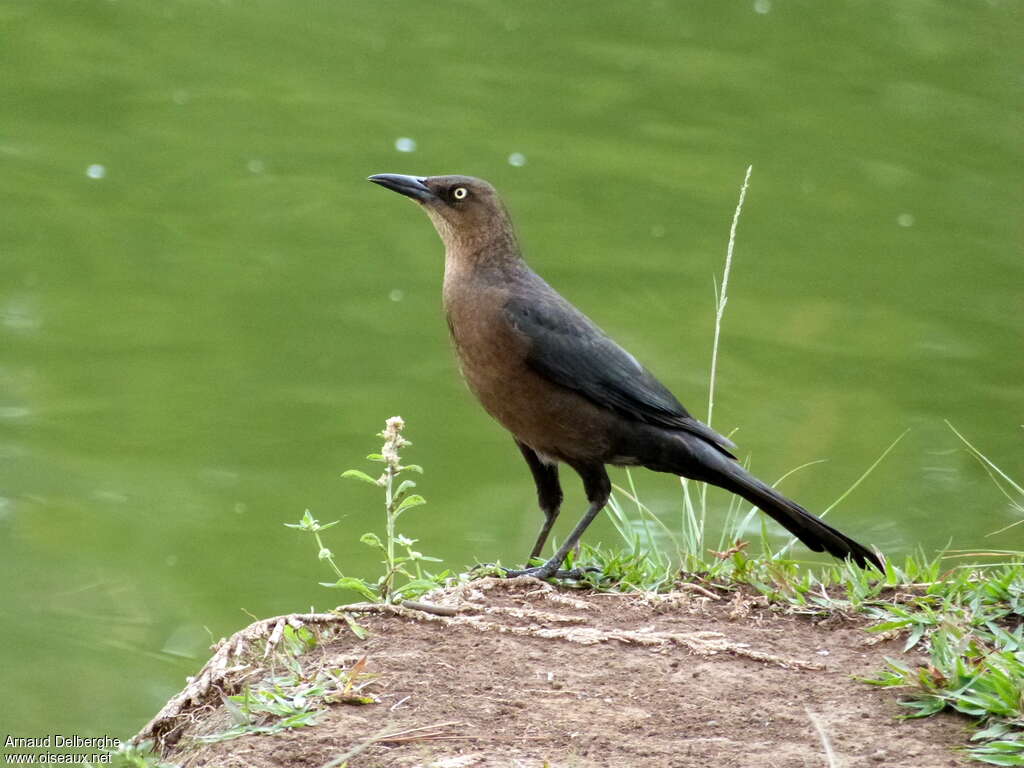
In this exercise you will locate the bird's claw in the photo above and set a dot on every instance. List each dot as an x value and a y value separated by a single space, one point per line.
547 571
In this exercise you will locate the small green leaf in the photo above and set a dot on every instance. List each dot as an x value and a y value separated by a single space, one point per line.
359 475
404 486
371 540
307 522
915 637
887 625
413 467
238 716
409 502
299 641
356 585
357 630
993 759
924 706
415 588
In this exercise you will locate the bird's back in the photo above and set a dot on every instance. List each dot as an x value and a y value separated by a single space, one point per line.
539 365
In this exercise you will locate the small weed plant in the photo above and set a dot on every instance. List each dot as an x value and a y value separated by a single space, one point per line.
297 695
141 755
404 575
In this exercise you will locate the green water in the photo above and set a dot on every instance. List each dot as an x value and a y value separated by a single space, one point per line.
206 312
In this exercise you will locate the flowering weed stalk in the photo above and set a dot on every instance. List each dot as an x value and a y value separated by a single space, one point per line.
397 500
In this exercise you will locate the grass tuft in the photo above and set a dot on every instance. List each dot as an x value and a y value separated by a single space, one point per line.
297 697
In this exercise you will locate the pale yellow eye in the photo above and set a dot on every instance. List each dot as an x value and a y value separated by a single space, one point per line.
460 193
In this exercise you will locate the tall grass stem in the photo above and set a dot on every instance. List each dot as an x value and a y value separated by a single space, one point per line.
721 299
722 296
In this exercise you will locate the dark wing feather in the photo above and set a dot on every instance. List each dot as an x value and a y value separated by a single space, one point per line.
566 347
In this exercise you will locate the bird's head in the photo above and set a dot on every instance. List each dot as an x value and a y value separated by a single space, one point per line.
465 211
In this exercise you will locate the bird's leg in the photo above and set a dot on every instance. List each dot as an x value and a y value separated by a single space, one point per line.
598 487
549 493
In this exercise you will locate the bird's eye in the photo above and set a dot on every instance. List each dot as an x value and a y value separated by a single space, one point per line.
460 193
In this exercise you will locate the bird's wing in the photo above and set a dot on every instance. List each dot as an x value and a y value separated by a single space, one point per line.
566 347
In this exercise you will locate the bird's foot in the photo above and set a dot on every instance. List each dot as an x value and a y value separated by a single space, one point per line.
549 571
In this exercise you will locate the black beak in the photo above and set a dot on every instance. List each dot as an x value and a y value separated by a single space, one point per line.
410 186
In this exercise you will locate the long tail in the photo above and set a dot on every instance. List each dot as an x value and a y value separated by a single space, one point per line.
814 532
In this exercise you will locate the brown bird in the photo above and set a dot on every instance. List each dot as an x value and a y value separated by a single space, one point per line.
562 387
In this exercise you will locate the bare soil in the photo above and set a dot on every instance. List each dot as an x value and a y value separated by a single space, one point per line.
523 674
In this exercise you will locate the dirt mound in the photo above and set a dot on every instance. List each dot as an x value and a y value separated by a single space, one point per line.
517 673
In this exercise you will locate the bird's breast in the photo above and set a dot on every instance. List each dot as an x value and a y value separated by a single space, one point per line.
492 356
489 351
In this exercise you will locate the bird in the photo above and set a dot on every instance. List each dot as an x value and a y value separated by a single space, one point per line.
562 387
